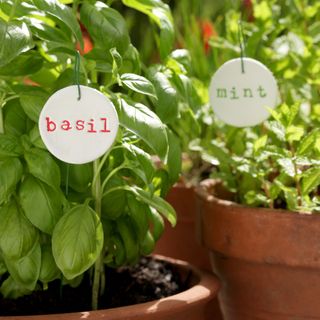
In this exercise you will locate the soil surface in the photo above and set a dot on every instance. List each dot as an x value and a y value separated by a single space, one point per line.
149 280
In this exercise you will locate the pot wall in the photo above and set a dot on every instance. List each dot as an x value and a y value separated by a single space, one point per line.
268 261
192 304
180 242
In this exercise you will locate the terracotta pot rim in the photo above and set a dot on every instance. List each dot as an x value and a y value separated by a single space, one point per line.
259 235
204 290
203 190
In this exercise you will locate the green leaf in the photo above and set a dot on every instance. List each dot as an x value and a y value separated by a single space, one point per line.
138 211
113 204
106 26
255 199
148 244
167 104
25 64
262 11
260 143
10 174
80 176
291 196
160 13
42 166
310 180
174 161
156 202
278 129
144 160
157 223
15 38
287 165
306 146
9 147
66 79
41 204
25 271
294 133
45 32
77 241
131 60
15 120
32 100
3 267
35 138
17 235
292 113
63 13
138 84
145 124
183 57
129 238
49 271
10 289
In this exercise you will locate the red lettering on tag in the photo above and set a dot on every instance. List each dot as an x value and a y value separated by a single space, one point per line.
91 126
80 125
51 126
105 125
65 125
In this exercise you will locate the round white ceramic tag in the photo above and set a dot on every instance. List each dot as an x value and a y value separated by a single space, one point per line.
241 98
78 131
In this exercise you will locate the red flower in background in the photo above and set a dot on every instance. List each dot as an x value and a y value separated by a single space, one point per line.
208 31
88 44
248 10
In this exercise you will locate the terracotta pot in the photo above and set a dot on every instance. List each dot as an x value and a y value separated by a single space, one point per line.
180 242
268 261
191 304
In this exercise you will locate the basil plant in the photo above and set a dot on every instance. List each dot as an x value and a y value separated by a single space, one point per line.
58 221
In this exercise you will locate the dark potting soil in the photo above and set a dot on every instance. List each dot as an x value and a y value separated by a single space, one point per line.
149 280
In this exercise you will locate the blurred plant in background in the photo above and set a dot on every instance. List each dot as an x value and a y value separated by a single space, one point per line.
274 164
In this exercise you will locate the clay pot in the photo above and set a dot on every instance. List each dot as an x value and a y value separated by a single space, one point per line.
268 261
191 304
180 242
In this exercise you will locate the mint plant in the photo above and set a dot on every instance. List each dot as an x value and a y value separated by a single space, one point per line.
283 36
275 165
59 221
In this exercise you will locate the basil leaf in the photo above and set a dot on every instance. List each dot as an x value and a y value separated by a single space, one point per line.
145 124
42 166
25 271
100 20
138 84
15 38
77 241
17 235
63 13
160 13
10 175
9 147
41 204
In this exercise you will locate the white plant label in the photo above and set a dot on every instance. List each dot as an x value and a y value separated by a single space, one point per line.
242 99
78 131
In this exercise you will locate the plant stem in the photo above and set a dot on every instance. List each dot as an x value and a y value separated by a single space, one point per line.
296 176
97 195
1 121
2 96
